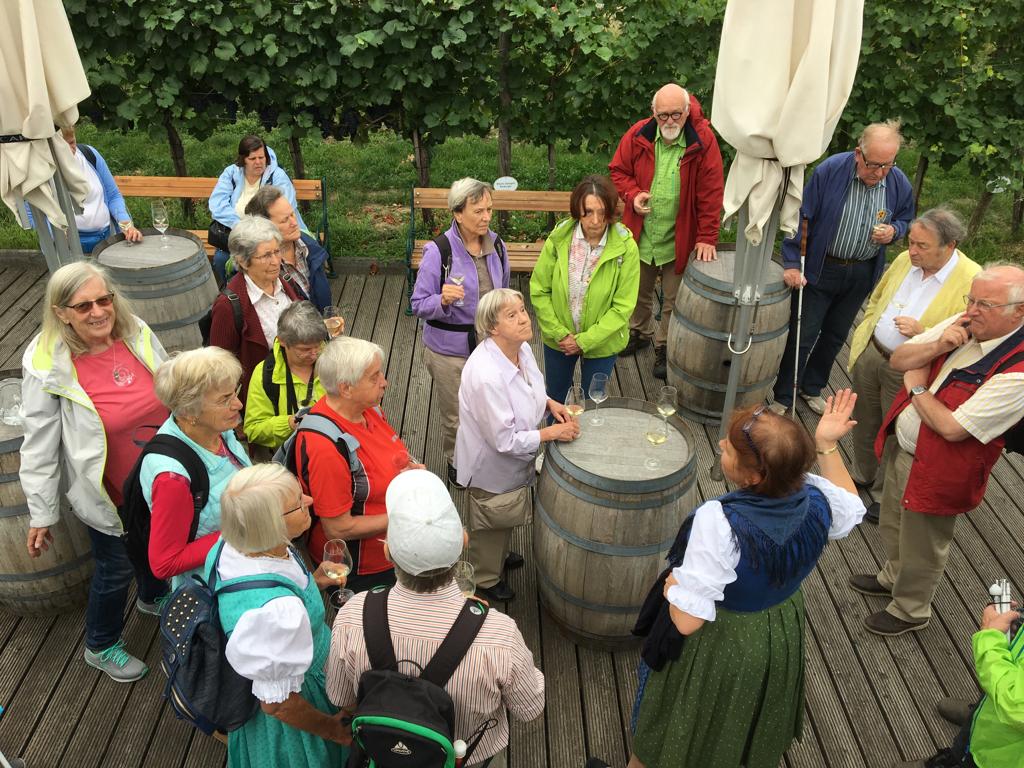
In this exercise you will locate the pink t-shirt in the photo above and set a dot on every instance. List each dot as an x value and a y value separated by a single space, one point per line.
127 406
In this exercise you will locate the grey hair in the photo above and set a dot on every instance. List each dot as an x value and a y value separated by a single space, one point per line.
944 224
249 234
467 190
61 288
489 306
879 130
429 581
252 507
686 99
182 382
995 272
344 361
300 323
260 203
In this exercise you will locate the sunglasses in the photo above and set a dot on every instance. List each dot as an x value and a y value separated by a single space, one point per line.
84 307
750 440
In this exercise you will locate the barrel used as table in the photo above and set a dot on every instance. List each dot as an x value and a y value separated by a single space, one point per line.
57 580
170 288
603 521
698 337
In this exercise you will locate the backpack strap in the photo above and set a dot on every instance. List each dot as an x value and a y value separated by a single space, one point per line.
445 249
199 479
457 643
236 309
88 153
377 631
272 388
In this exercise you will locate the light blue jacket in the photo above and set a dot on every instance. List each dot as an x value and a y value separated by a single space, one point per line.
232 181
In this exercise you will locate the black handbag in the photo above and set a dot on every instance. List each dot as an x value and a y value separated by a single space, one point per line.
217 235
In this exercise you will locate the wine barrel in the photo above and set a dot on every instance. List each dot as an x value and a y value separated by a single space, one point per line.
170 287
57 580
698 338
604 521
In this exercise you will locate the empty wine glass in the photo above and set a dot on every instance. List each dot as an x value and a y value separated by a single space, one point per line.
458 280
656 434
667 403
465 577
338 559
160 221
574 401
598 393
335 602
334 321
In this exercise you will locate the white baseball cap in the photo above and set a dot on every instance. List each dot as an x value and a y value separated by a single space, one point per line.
424 529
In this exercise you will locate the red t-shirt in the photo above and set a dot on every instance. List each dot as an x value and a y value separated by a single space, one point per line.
127 407
325 476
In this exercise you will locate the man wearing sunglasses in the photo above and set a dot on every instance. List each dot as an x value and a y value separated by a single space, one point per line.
855 204
963 392
668 172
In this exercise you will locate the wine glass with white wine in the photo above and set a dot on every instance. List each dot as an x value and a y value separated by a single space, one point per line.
574 402
598 392
458 280
465 577
334 321
338 559
160 221
667 404
657 435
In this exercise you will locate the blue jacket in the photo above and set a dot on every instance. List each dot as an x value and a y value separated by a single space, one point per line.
231 182
822 205
319 288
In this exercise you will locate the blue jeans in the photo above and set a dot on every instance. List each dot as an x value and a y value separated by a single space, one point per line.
220 259
108 592
91 238
560 367
830 307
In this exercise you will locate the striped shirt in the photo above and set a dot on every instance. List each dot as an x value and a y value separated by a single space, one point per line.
863 209
496 674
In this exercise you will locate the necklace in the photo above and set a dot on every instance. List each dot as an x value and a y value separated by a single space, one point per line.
123 375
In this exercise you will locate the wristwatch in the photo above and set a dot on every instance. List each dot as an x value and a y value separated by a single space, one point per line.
918 390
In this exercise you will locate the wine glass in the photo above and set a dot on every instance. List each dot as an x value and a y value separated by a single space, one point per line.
458 280
598 393
667 403
160 221
338 559
334 321
465 577
335 602
656 434
882 218
124 226
574 401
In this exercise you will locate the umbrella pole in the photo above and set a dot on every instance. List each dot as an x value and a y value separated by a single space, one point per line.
799 315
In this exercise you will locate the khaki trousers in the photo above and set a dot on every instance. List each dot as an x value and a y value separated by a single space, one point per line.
490 518
916 545
640 322
876 385
446 372
499 760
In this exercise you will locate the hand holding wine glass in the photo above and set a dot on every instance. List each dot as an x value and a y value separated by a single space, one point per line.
574 401
337 559
334 321
458 280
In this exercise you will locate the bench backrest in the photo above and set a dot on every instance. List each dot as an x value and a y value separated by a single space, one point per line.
177 186
435 197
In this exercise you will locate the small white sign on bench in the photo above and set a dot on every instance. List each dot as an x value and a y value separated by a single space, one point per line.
506 184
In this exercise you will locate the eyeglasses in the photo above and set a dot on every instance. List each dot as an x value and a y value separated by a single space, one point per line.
661 117
875 166
85 307
302 505
227 402
274 254
750 440
985 306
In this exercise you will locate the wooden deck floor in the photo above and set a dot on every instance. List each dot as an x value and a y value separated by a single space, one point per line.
869 700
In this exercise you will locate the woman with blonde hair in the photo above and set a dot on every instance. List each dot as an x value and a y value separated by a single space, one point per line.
89 404
277 637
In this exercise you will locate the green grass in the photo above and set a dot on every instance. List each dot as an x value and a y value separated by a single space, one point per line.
368 185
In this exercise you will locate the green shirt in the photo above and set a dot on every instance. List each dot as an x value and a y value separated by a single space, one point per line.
658 237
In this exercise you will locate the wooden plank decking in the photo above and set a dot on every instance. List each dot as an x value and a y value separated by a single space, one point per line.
869 701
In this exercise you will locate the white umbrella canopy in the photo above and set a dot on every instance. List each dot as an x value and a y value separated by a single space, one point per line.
785 71
41 84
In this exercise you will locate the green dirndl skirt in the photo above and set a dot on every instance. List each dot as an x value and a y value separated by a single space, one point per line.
734 697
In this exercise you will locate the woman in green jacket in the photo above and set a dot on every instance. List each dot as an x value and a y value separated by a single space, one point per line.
584 287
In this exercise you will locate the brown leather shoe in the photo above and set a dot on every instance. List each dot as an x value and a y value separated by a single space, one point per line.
637 341
885 624
867 584
956 711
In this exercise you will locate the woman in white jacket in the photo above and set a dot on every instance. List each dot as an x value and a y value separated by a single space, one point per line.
89 406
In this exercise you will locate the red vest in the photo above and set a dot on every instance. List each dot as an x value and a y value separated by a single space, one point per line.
950 478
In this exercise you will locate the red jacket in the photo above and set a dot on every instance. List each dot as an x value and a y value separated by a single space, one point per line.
701 180
950 478
251 346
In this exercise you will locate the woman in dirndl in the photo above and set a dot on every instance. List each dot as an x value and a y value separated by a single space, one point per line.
722 670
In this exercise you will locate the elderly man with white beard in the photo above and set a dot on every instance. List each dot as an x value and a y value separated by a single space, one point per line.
668 172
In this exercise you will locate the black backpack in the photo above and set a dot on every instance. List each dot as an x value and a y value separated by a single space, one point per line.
407 721
135 513
202 687
205 322
273 389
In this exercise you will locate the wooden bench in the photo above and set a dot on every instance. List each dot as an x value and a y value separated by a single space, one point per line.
202 187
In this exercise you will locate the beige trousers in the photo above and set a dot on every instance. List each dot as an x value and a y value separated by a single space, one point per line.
642 314
916 545
499 760
876 385
490 518
446 372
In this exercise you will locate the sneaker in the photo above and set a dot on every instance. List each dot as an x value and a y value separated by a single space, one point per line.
154 608
637 341
660 363
120 666
497 593
453 478
885 624
779 408
513 560
868 584
815 402
956 711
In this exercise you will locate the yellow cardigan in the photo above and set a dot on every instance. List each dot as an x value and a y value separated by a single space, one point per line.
948 301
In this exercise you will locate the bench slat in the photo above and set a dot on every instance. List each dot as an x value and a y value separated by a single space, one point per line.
433 197
521 256
177 186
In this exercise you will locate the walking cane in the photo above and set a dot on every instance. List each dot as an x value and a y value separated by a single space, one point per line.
799 313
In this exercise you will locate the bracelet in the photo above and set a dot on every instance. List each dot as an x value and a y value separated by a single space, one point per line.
833 449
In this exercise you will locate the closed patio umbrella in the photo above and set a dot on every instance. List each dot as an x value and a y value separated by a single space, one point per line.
41 84
785 71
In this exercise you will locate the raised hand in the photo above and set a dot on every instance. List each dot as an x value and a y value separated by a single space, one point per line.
836 421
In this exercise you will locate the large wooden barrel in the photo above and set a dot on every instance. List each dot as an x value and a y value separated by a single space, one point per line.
603 522
698 349
57 580
170 288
